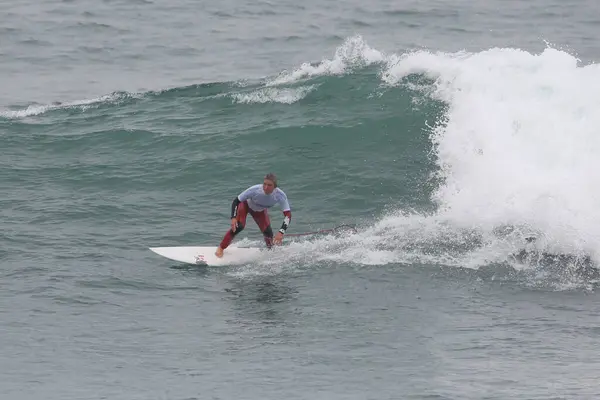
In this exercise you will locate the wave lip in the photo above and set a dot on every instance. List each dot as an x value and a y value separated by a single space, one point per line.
274 95
353 53
37 109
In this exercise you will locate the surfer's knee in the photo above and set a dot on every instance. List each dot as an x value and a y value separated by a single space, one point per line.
268 232
238 228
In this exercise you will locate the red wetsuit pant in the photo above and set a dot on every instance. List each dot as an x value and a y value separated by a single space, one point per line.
260 217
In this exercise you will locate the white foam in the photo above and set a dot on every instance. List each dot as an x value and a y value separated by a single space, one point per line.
395 239
519 144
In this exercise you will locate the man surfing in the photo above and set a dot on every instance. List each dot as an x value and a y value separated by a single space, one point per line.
256 200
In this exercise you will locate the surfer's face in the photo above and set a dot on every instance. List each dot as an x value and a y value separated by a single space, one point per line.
268 186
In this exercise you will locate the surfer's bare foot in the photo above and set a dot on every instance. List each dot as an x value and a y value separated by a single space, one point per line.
219 252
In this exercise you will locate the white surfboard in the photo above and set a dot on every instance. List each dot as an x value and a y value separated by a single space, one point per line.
206 255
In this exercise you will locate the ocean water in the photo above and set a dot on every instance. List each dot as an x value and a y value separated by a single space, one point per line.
459 138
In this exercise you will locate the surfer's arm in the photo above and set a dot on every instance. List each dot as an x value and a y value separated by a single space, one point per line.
287 212
234 207
286 221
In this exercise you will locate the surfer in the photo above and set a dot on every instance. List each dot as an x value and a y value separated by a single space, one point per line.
256 200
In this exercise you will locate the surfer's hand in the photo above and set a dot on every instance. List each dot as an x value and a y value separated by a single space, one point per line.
278 239
233 225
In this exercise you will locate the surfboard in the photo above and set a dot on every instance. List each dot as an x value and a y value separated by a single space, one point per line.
200 255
